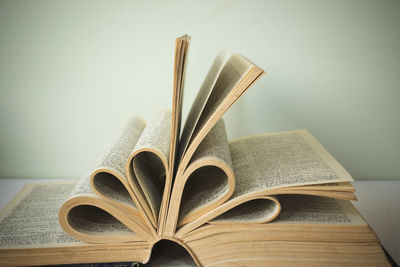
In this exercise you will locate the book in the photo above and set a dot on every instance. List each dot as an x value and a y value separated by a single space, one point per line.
274 198
310 230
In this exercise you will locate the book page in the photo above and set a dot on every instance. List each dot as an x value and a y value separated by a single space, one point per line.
300 209
105 186
156 134
258 210
30 234
108 174
285 159
181 57
201 100
103 214
30 220
214 145
235 77
117 153
234 70
266 163
96 221
89 218
207 183
148 164
82 187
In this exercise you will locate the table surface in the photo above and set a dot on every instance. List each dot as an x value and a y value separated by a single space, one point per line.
378 202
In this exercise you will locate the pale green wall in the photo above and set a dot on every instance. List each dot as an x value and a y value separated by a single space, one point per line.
71 70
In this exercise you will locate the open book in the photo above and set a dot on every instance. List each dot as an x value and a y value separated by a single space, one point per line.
309 231
197 188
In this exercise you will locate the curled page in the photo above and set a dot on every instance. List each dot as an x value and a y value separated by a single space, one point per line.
201 100
230 79
30 234
208 181
107 178
279 163
226 82
147 166
102 207
258 210
89 218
